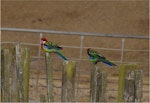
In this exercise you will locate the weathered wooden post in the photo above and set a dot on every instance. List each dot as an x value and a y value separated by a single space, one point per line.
25 61
121 83
130 84
68 81
93 85
20 74
42 98
129 90
49 71
98 85
19 68
5 67
14 83
138 85
102 85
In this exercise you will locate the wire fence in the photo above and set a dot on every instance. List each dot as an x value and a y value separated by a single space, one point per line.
81 47
82 35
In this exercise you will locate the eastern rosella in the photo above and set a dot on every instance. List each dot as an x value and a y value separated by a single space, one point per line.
95 57
51 48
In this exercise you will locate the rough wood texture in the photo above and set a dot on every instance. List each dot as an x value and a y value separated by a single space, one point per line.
130 84
93 84
98 85
42 98
124 70
129 90
121 83
102 84
25 60
68 81
20 74
5 75
49 71
14 83
19 69
138 85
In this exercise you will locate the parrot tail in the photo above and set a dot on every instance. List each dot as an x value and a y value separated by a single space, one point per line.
61 55
108 63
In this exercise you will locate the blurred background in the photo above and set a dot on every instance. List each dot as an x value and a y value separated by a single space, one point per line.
101 17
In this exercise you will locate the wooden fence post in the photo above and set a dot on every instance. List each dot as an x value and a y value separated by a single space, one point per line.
98 85
102 85
25 61
122 74
138 85
49 71
93 85
19 69
129 90
5 75
68 81
121 83
19 90
130 84
20 74
14 83
42 98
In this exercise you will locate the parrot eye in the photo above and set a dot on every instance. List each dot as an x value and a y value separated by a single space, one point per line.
88 49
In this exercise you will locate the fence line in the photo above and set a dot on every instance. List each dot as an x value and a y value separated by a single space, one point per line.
80 47
77 47
39 56
73 33
78 59
42 57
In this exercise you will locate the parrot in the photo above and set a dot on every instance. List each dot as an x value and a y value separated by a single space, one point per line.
51 47
95 57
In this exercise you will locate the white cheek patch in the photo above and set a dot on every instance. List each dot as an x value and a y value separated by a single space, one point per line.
44 42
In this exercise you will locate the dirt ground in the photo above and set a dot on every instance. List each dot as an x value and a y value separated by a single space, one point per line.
106 17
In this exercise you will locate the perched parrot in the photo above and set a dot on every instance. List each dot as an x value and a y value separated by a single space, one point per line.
95 57
51 48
